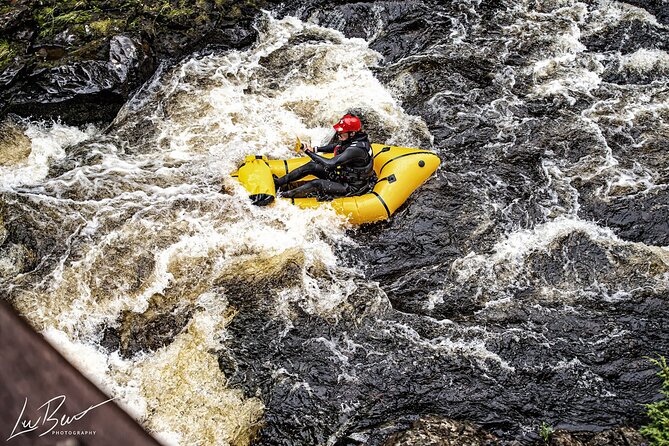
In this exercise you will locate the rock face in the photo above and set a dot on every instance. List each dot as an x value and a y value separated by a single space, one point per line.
436 431
615 437
90 90
14 144
80 60
15 255
433 431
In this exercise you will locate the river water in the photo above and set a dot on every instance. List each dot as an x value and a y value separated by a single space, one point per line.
525 283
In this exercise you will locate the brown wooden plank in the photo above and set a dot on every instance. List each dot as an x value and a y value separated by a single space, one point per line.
30 368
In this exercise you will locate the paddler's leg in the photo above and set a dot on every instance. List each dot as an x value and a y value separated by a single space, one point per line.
311 168
327 187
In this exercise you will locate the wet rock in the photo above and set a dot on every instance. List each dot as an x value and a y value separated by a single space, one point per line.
12 17
86 91
548 337
148 331
170 312
435 431
23 245
111 339
397 29
15 146
34 229
3 230
49 52
629 73
249 283
401 269
623 436
565 140
640 217
16 259
78 155
658 9
588 261
86 58
11 73
628 37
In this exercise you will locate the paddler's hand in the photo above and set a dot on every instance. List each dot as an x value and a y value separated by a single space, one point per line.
306 147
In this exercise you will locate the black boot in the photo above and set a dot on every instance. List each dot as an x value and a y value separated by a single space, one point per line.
280 182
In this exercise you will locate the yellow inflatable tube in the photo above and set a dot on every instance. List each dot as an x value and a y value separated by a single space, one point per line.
400 171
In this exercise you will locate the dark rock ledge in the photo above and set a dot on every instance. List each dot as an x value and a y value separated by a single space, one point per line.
437 431
79 60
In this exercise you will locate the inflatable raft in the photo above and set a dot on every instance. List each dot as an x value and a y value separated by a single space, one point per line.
400 171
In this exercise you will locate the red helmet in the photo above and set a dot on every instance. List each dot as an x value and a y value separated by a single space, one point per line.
348 123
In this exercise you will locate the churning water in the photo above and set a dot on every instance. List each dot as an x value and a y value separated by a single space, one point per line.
523 284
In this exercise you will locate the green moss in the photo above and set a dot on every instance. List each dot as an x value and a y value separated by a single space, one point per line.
7 52
44 16
202 19
55 16
51 20
166 8
135 24
106 27
658 429
546 432
72 18
178 12
236 9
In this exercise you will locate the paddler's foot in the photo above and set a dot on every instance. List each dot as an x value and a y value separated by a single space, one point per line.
279 182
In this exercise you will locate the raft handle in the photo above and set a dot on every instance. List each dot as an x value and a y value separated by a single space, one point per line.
390 178
385 149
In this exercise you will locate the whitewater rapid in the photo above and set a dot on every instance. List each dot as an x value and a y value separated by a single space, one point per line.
520 285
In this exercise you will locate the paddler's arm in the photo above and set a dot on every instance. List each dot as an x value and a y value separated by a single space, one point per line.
348 155
328 148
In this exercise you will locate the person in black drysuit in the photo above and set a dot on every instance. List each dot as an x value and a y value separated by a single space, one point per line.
349 172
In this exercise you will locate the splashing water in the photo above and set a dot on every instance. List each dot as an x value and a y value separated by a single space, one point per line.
152 227
524 284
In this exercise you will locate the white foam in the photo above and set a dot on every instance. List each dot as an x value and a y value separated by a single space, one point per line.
221 106
84 356
645 60
576 81
161 199
611 13
48 143
434 298
629 182
517 245
475 349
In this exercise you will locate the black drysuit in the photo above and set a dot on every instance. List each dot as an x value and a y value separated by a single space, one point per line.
349 172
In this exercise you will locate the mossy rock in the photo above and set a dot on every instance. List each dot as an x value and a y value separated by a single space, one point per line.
15 146
50 34
273 272
151 330
7 53
107 27
95 49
